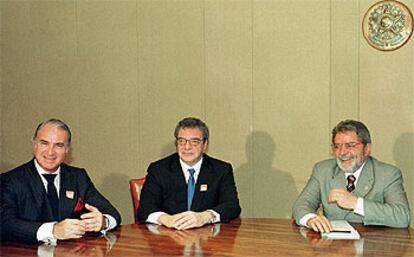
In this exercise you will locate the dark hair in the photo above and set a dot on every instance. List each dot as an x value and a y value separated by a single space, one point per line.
191 122
54 123
352 125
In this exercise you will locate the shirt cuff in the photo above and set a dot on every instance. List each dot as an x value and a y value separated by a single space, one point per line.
111 223
359 208
216 215
304 220
153 217
45 233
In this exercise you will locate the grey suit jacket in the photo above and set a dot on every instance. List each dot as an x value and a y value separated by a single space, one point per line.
380 185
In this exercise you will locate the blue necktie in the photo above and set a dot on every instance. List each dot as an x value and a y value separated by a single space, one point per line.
190 188
52 194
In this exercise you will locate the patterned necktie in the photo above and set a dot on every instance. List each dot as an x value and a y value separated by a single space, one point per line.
52 194
350 186
190 188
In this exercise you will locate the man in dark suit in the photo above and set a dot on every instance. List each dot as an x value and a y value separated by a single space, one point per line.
373 195
34 209
189 188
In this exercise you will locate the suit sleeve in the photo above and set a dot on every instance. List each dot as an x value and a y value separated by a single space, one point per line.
151 195
394 211
228 203
310 198
13 228
95 198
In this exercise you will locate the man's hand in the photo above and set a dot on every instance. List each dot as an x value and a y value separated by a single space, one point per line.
186 220
69 228
319 224
343 198
94 220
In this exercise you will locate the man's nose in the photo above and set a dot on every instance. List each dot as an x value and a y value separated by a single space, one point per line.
50 149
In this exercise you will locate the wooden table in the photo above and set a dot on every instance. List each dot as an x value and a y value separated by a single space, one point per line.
246 237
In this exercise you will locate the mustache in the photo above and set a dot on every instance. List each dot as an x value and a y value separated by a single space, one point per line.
345 157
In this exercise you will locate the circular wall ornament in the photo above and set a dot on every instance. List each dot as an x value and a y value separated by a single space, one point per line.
387 25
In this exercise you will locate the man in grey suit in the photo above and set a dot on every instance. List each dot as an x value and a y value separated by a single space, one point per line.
189 188
355 187
48 200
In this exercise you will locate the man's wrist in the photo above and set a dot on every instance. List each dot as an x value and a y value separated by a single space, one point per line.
210 216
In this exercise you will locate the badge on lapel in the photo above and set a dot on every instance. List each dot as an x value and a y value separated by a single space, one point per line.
70 194
203 187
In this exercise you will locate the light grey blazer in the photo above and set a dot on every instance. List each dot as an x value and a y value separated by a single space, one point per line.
380 185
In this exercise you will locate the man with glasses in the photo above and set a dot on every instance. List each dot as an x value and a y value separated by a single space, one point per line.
48 200
355 187
189 188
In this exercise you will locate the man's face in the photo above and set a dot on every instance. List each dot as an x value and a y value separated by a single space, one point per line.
190 145
349 151
50 147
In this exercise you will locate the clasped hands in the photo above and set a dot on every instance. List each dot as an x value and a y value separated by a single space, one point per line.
186 220
343 199
92 221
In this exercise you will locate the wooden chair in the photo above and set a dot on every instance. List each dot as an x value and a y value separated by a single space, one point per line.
135 186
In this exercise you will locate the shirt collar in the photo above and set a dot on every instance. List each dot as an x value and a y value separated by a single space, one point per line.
196 166
357 173
41 171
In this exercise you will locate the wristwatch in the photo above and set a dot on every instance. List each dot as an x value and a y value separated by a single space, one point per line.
106 226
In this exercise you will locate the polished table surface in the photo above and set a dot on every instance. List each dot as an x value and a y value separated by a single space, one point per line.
245 237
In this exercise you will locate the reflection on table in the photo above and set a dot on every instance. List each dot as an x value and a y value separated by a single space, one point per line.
246 237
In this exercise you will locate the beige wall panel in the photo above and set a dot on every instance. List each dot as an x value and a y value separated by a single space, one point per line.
109 135
387 104
228 39
345 33
290 99
38 46
171 72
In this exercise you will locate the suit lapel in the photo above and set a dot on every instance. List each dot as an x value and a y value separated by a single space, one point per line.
68 194
40 194
338 178
338 181
366 180
178 181
203 181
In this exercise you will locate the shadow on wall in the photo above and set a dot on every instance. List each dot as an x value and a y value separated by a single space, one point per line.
403 154
264 191
115 188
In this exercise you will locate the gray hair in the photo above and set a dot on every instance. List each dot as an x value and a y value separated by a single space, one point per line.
191 122
352 125
56 123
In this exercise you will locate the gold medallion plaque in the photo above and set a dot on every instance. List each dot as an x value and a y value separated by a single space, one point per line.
387 25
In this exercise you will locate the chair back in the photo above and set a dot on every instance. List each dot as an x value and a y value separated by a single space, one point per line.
135 186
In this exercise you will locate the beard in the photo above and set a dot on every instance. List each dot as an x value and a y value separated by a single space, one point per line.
356 162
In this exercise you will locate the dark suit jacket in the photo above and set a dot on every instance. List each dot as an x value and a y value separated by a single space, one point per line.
25 206
380 185
165 189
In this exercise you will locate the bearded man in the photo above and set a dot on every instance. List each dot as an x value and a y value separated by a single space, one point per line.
354 187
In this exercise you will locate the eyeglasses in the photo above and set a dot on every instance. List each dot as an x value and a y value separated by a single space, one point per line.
347 146
193 141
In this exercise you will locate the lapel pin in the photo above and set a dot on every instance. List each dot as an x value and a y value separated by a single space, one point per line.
70 194
203 187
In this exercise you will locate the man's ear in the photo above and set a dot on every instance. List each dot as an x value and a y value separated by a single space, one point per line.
367 149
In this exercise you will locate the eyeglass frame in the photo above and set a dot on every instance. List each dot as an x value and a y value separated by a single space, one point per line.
347 146
193 141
